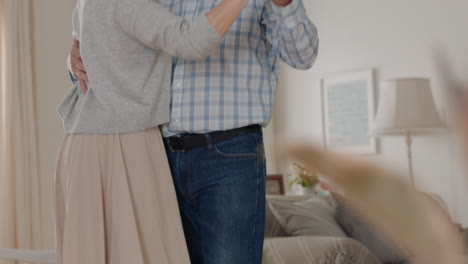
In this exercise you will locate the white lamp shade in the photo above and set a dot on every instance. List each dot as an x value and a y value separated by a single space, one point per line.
406 106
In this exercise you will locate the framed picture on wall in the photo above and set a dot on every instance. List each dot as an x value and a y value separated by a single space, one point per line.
348 112
275 185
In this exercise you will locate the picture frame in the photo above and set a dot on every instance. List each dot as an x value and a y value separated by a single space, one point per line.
348 102
275 185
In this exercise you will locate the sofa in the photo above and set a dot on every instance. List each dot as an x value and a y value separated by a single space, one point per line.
280 247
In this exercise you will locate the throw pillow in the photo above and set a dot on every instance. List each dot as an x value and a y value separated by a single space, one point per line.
312 217
361 231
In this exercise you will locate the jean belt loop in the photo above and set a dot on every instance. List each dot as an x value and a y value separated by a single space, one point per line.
209 143
168 144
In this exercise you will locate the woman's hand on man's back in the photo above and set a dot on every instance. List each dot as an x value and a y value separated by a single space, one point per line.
77 66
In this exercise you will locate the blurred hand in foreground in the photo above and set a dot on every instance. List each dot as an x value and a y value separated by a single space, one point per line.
403 214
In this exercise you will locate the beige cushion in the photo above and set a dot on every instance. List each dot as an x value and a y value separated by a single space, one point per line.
272 226
312 217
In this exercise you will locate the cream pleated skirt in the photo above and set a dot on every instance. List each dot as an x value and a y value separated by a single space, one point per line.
115 201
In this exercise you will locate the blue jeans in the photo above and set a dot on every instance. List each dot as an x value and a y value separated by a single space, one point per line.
221 194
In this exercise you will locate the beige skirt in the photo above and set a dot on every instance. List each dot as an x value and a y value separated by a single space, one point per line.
115 201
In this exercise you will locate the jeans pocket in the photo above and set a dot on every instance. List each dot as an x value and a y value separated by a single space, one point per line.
242 147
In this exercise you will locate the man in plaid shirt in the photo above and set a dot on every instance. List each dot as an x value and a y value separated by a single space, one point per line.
214 138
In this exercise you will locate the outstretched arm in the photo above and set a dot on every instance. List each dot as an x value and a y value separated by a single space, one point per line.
291 33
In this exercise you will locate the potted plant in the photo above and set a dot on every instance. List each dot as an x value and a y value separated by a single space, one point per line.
302 181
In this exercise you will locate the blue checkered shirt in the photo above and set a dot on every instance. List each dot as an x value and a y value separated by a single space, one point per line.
235 86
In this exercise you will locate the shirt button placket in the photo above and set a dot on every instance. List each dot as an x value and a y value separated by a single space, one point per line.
178 110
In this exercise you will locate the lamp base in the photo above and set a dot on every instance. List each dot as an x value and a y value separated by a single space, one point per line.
409 143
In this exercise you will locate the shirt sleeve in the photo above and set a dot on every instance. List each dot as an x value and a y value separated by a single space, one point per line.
70 72
291 33
154 26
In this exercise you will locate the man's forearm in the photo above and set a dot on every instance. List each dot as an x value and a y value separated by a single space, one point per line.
291 33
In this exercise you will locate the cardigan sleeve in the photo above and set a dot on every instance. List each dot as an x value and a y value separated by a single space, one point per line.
154 26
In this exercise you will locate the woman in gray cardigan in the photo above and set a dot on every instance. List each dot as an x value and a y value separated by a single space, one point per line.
114 197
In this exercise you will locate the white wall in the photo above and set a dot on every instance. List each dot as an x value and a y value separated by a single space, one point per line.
52 32
397 39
